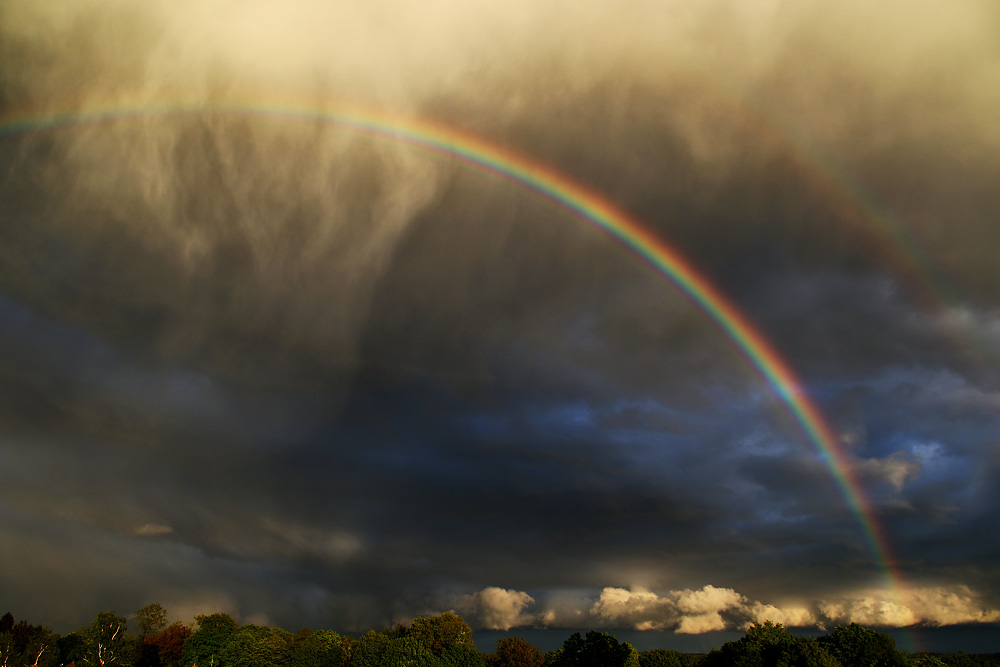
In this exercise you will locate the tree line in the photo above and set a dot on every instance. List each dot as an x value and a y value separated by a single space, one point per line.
217 640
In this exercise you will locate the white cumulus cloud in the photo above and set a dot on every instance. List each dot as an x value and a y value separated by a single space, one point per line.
933 605
497 608
792 617
713 608
686 611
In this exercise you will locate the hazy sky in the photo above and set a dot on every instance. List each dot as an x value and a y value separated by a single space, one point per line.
282 369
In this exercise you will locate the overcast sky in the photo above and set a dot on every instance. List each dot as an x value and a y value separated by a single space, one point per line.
284 370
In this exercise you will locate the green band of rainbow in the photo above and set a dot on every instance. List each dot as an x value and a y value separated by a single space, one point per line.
526 172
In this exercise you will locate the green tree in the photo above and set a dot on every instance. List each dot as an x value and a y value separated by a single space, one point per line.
106 642
810 653
515 652
36 644
369 649
202 648
597 649
857 646
660 657
150 620
439 632
770 645
408 651
255 646
323 648
927 660
462 655
24 644
71 648
348 644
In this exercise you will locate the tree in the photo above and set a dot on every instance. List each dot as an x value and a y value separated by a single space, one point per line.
23 644
255 646
515 652
857 646
810 653
71 648
770 645
170 643
323 648
35 644
348 644
439 632
202 648
927 660
408 652
150 620
462 655
369 649
597 649
660 657
106 643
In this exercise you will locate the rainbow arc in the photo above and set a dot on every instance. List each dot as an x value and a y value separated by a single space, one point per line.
585 204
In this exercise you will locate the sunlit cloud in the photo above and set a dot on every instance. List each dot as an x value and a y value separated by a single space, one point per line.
153 529
712 608
496 608
894 470
936 606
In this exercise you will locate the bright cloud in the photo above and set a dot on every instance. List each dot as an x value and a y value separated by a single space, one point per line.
497 608
794 617
687 611
708 599
932 606
894 470
712 608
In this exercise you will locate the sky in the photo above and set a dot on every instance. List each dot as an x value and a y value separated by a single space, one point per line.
257 360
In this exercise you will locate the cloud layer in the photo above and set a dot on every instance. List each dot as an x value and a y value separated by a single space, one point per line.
711 609
275 365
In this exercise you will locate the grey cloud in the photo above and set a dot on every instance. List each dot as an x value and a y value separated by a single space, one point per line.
277 366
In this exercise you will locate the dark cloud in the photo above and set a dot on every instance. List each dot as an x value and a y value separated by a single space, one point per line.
266 364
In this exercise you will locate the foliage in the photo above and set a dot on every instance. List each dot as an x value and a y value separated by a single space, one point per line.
438 641
439 632
25 644
106 642
515 652
169 643
150 620
324 648
597 649
926 660
369 649
962 659
202 648
348 644
255 646
770 645
460 654
857 646
408 652
71 648
661 657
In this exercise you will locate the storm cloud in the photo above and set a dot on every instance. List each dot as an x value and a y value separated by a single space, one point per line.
261 362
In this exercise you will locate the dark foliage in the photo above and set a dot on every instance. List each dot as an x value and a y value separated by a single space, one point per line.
438 641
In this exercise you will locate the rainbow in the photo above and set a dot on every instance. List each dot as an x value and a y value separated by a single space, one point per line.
526 172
